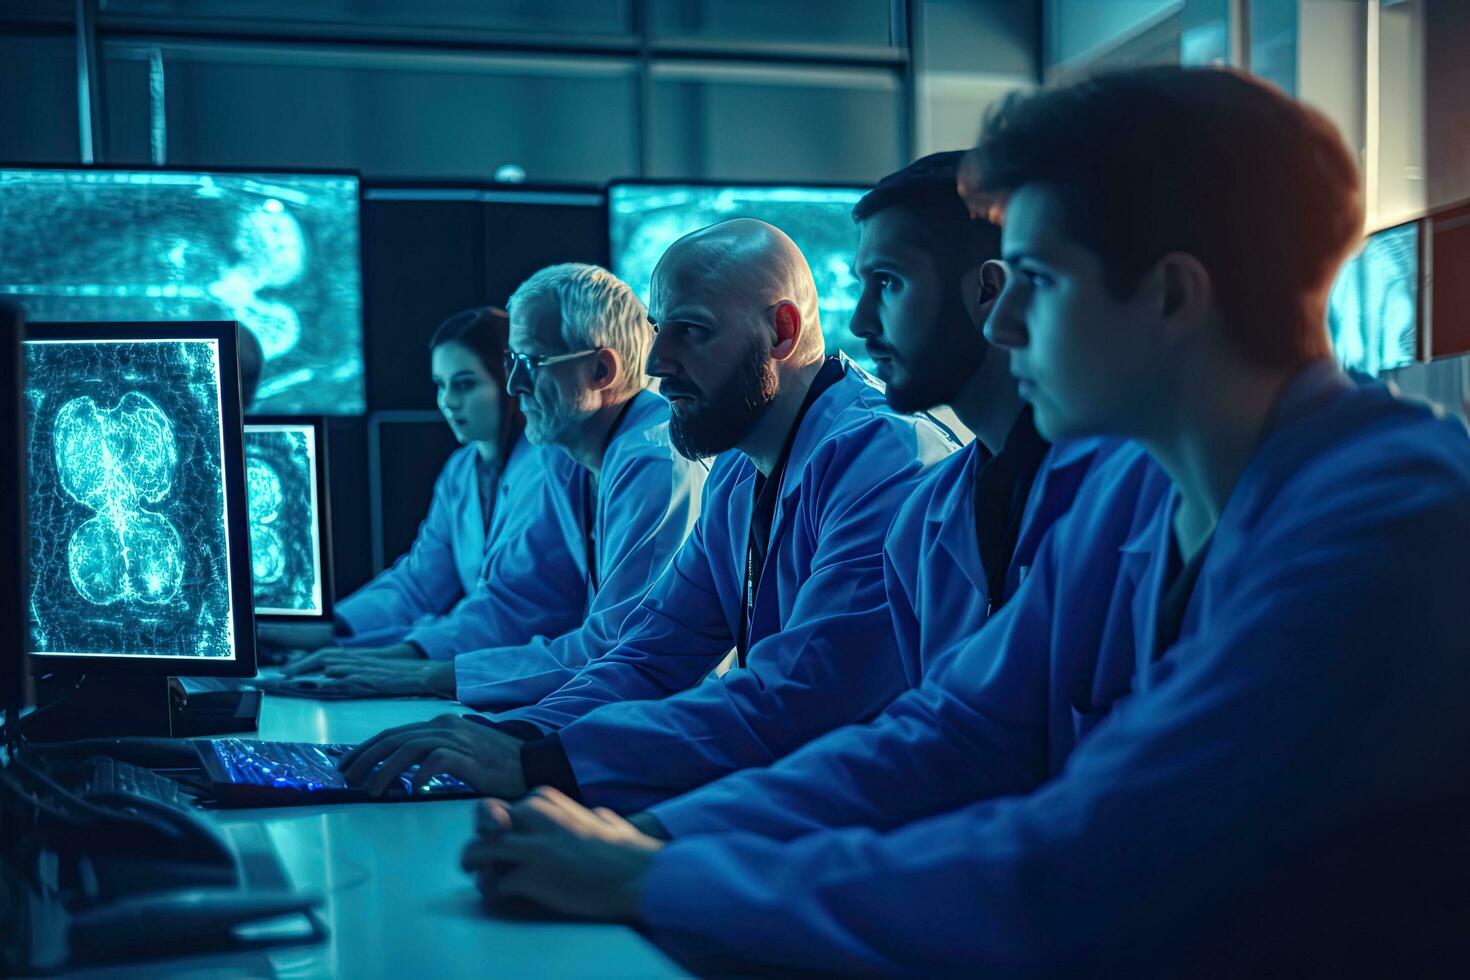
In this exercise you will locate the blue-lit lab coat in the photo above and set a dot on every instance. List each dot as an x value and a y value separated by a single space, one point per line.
526 576
447 557
647 501
638 725
1284 784
937 590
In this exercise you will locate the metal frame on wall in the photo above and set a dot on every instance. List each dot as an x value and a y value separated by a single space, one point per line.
93 28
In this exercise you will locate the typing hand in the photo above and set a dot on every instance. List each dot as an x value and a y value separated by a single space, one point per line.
560 854
379 678
486 759
294 636
349 657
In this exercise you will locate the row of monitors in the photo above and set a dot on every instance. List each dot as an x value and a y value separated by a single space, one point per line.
143 485
280 253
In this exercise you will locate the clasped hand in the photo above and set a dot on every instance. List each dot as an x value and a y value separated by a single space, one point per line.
548 848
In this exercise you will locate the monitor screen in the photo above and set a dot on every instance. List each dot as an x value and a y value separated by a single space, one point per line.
645 219
1373 309
130 534
278 253
282 482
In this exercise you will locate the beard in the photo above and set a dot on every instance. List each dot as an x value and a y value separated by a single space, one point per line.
936 380
714 423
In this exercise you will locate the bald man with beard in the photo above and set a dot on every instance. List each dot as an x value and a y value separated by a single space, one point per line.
785 564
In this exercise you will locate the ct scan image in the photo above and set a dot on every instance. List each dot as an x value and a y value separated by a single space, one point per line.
285 550
645 219
277 253
128 540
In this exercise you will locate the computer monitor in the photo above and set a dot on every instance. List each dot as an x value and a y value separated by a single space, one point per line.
290 537
139 540
13 673
645 217
277 252
1374 310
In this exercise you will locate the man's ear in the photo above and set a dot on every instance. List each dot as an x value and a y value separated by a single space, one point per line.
1181 289
607 368
984 286
786 318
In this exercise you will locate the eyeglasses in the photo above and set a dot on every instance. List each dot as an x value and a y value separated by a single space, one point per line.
531 363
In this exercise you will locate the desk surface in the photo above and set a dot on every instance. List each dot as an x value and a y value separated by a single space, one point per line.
396 902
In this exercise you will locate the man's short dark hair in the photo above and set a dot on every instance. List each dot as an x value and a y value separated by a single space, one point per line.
926 188
1207 161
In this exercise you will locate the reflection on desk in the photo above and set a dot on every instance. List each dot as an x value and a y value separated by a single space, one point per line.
397 903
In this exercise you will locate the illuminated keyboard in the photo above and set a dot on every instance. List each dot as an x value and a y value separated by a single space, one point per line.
252 773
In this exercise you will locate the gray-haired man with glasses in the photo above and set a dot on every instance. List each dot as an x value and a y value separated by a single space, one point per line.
579 341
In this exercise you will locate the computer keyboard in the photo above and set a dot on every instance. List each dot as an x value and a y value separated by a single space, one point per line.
290 765
249 772
99 774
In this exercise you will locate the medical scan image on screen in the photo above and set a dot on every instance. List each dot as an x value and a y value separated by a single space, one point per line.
277 253
129 549
1372 311
645 219
285 550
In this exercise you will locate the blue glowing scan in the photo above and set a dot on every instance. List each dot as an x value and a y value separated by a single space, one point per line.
285 538
645 219
278 253
129 548
1373 309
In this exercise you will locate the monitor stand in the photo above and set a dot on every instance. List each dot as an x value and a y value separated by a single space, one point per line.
70 706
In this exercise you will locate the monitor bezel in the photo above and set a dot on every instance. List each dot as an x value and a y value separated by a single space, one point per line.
237 527
362 310
318 425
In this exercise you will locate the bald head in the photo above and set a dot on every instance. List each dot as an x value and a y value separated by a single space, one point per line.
739 270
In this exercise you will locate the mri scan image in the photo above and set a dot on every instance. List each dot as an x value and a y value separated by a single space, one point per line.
129 548
285 546
277 253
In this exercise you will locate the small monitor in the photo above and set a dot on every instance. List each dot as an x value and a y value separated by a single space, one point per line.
290 538
277 252
645 218
1374 309
139 556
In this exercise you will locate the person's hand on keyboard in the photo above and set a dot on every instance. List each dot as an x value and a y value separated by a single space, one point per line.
552 850
350 657
489 761
378 679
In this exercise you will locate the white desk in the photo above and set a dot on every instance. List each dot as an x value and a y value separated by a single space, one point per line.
397 903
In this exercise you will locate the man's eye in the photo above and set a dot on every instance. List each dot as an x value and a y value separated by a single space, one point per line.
885 281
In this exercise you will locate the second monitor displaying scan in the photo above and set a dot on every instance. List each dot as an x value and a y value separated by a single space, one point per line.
276 252
644 219
285 476
136 496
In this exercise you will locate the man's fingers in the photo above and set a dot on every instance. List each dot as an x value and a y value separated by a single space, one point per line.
446 762
407 754
357 763
380 745
476 856
492 817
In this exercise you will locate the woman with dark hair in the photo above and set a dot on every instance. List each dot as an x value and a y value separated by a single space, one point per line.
497 497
